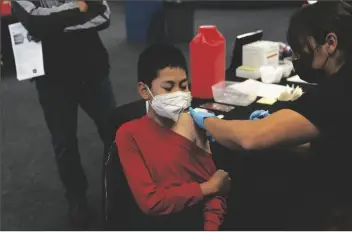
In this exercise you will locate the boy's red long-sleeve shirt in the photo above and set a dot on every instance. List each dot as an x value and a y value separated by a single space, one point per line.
164 171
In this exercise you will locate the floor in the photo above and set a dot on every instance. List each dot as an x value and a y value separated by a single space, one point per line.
32 197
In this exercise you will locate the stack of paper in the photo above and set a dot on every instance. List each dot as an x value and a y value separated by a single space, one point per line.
28 54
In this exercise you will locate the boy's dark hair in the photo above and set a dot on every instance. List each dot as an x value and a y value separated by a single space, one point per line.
157 57
319 19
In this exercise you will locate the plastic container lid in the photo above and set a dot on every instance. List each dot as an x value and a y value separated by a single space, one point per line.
223 93
205 28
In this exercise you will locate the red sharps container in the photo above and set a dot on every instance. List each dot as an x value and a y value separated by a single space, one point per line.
5 8
207 60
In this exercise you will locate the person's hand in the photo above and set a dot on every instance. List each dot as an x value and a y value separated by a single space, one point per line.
259 114
211 138
199 117
219 184
83 6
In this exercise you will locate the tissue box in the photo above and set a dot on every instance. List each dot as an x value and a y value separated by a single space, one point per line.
260 53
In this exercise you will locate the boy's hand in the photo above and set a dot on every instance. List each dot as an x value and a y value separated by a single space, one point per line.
218 184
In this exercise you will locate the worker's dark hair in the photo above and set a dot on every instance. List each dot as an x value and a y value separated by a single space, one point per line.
157 57
319 19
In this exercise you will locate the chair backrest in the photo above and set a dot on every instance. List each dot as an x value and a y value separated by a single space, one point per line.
123 114
119 207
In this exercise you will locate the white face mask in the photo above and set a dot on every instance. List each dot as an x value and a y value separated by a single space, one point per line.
171 105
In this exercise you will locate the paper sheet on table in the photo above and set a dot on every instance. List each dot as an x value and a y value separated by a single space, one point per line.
297 79
27 53
253 87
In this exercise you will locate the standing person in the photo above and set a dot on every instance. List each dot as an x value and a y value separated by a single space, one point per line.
320 37
76 67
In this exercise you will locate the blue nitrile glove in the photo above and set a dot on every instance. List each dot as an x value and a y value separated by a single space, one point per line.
259 114
210 138
199 117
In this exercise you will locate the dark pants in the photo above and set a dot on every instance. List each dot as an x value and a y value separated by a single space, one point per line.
60 105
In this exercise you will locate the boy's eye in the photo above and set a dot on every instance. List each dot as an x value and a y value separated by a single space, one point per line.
168 89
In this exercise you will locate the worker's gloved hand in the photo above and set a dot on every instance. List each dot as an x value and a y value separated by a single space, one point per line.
259 114
199 117
210 138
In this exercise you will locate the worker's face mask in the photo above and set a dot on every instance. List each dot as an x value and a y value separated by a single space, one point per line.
170 105
303 67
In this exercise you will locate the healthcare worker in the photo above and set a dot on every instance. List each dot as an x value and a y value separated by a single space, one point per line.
321 40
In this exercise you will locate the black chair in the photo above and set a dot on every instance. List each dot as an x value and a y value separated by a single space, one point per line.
120 210
122 114
115 191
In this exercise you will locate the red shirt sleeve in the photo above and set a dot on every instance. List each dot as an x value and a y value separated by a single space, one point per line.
152 199
214 213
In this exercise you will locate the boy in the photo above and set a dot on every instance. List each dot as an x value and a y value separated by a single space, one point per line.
165 157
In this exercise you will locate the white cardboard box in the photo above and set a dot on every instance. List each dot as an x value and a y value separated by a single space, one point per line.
260 53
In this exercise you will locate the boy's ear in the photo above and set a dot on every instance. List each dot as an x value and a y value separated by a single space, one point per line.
143 91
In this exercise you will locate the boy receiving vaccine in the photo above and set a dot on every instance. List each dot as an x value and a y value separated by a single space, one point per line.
166 159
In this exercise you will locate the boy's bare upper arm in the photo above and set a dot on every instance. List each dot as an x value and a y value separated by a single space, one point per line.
186 127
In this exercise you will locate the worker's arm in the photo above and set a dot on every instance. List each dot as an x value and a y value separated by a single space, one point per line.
283 127
47 21
151 198
318 111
